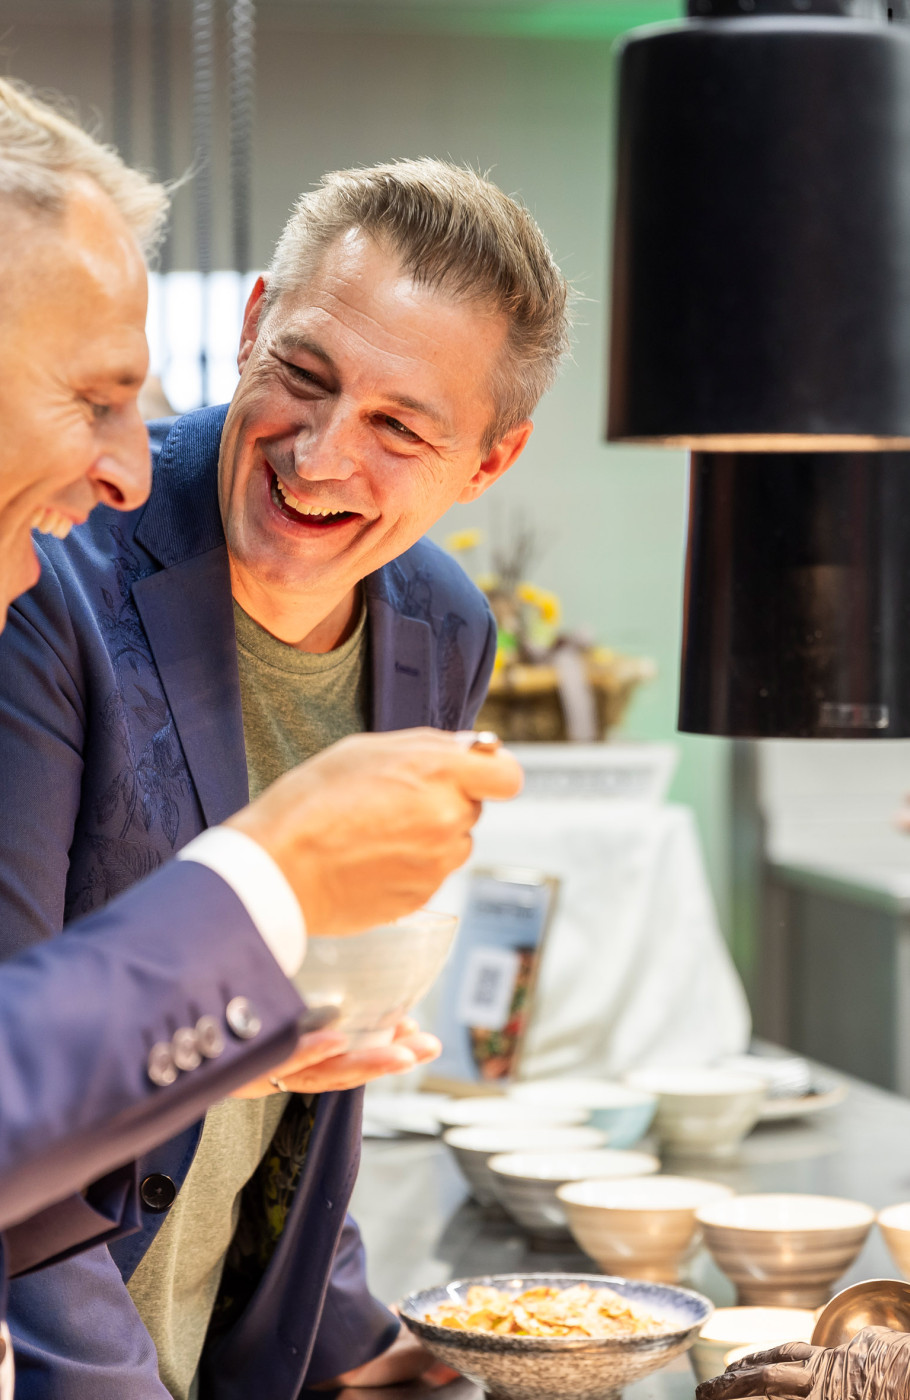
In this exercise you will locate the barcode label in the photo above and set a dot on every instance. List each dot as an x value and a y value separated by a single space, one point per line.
489 983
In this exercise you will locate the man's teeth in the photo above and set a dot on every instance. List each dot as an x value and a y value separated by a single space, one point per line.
299 506
51 522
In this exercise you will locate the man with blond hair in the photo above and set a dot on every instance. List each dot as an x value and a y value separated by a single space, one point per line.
91 1069
275 595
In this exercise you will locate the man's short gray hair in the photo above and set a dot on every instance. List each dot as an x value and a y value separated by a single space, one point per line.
456 231
42 151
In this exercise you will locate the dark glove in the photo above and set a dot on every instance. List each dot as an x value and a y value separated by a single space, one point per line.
874 1366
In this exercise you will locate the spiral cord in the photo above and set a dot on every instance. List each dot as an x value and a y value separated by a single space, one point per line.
242 111
203 133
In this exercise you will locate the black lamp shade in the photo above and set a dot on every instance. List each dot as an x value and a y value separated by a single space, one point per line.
796 617
761 274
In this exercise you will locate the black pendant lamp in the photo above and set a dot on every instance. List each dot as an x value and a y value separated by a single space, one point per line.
761 277
797 597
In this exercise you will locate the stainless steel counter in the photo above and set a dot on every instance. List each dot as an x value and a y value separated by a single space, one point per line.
420 1229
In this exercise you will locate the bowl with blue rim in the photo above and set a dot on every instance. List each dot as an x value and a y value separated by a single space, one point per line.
510 1367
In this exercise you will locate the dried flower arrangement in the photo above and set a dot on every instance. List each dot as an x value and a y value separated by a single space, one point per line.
547 684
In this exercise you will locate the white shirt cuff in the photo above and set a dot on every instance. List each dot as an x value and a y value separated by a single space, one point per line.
260 886
7 1377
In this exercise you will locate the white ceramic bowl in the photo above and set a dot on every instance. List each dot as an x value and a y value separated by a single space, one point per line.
642 1228
624 1114
702 1112
526 1182
755 1329
364 983
496 1111
473 1147
785 1250
554 1368
894 1223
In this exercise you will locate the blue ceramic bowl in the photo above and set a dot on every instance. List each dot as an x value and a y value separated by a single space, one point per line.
623 1113
551 1368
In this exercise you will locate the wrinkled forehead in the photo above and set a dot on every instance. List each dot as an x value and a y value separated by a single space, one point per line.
83 247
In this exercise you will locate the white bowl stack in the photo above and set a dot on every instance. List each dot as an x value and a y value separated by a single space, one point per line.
472 1148
526 1182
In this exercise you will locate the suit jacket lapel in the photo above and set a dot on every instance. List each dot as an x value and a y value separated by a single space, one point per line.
187 612
188 617
194 645
402 652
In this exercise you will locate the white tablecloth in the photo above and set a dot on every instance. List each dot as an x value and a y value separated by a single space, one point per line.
636 970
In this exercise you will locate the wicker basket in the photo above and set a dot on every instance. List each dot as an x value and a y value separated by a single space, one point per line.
523 703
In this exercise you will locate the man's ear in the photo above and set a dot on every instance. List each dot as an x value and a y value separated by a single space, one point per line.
508 450
254 308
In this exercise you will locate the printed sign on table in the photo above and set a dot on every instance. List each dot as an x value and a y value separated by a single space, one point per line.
486 999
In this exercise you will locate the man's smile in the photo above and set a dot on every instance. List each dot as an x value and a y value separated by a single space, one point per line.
47 520
308 516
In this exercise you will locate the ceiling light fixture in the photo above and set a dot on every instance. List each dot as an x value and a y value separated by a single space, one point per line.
761 257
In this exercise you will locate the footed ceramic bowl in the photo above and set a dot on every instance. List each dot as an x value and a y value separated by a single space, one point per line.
785 1250
545 1368
641 1228
526 1182
364 983
702 1112
894 1223
497 1111
473 1147
623 1113
746 1330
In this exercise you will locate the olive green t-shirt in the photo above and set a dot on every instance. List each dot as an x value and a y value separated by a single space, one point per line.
294 704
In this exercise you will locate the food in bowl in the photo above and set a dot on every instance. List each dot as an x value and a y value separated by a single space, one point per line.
521 1367
544 1311
364 983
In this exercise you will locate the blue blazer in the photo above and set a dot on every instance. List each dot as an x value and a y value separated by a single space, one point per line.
121 723
77 1017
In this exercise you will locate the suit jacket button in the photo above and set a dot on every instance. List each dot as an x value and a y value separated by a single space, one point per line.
158 1193
243 1018
185 1049
209 1037
161 1067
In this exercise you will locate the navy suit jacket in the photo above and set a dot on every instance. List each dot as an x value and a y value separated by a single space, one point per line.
77 1018
120 722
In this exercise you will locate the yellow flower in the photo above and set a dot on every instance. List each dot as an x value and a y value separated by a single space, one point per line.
487 583
550 609
546 603
461 540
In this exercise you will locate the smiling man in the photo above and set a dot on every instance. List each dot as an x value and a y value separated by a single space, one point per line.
273 596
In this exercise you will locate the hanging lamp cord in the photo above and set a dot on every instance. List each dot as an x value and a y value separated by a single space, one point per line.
203 123
122 75
242 99
162 102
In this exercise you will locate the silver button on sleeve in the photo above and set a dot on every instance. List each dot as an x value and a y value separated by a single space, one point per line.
243 1018
161 1067
209 1037
185 1049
